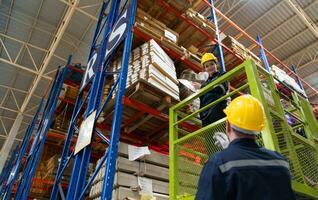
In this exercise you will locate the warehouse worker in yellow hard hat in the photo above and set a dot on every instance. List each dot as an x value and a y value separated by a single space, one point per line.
210 66
244 170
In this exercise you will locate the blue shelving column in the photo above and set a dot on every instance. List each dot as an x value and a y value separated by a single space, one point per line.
39 140
115 28
293 68
218 38
263 54
6 171
6 194
66 154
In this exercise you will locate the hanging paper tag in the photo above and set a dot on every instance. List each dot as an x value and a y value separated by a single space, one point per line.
137 152
146 185
85 133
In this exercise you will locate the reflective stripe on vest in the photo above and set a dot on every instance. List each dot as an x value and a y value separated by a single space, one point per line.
253 162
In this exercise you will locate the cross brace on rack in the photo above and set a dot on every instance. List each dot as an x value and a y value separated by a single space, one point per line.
34 156
115 29
11 178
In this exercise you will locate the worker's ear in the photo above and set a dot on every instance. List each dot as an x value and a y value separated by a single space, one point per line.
216 67
228 127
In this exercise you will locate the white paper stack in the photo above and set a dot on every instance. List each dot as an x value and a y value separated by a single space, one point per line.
282 76
148 174
150 63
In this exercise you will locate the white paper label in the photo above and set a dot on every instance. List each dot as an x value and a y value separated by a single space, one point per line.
85 133
145 185
170 36
137 152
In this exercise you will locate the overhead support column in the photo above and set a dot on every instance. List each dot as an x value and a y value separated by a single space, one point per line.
6 148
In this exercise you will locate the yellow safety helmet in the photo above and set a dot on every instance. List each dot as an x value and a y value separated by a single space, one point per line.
207 57
246 114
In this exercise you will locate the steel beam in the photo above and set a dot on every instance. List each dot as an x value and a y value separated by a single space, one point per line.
18 90
258 19
266 35
6 148
235 12
79 9
39 29
15 111
289 40
5 137
29 45
57 38
303 16
305 50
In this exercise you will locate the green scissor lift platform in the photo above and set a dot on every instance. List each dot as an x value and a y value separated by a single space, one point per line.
297 141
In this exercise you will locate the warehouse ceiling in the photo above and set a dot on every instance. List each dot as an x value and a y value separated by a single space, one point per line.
37 36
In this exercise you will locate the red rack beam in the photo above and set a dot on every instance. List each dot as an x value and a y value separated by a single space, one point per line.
134 118
178 14
46 182
184 29
163 13
256 43
152 111
172 53
125 137
75 69
143 107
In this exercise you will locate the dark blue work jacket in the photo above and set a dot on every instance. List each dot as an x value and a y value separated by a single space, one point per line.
245 171
215 112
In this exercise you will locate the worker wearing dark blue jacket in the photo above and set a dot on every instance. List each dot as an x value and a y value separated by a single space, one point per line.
244 170
209 63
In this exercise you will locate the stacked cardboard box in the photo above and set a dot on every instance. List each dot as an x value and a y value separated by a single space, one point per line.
37 188
201 21
71 92
126 186
239 49
51 169
154 27
150 63
161 33
157 30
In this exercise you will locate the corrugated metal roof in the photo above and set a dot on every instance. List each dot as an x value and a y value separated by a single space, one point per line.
282 30
304 3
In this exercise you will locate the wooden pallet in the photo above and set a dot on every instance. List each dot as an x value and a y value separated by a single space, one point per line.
145 126
188 35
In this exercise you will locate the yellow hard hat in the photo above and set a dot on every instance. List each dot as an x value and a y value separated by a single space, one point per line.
207 57
246 114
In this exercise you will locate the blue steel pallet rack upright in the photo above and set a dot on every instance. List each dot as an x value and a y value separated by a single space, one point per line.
116 27
218 37
6 191
40 136
6 171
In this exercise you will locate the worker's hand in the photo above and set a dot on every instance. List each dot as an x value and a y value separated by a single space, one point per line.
221 140
202 76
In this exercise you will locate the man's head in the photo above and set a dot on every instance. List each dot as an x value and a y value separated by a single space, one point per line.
209 63
245 117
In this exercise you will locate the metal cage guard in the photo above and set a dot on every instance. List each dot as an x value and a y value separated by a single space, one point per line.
189 150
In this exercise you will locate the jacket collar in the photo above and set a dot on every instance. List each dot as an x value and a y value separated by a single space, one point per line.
214 75
246 142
